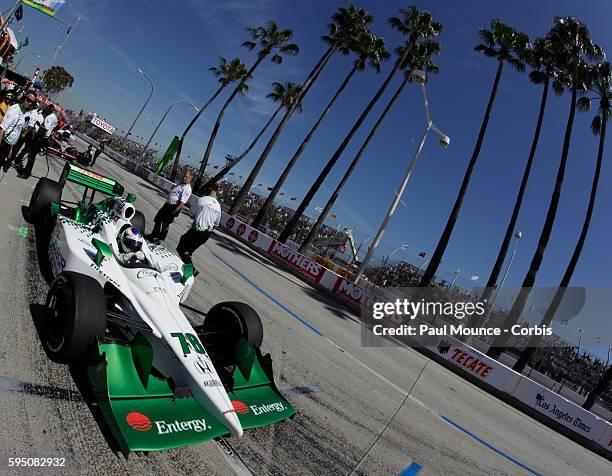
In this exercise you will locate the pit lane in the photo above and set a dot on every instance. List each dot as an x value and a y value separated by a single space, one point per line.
375 410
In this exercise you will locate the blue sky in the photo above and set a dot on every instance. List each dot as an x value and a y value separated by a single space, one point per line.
176 42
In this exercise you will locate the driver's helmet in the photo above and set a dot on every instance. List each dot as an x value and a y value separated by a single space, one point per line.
131 239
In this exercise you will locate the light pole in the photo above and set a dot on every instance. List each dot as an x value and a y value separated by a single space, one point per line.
359 248
419 77
24 55
143 107
181 101
517 236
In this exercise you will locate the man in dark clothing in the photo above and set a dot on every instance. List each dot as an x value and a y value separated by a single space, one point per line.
177 199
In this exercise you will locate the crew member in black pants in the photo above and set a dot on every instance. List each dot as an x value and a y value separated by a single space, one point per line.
177 199
207 217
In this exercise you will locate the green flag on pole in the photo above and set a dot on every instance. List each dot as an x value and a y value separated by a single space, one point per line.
172 148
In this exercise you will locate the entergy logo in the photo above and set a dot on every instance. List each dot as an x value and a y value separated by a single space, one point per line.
140 422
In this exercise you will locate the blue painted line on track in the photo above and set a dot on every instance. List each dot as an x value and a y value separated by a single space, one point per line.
491 447
411 470
271 298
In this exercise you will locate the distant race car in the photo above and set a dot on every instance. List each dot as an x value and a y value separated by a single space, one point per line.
160 382
62 145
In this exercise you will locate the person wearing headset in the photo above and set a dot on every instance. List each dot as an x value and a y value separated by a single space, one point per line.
11 126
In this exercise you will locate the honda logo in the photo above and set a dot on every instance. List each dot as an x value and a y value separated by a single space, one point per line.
202 367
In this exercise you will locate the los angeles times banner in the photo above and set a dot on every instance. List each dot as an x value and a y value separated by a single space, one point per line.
49 7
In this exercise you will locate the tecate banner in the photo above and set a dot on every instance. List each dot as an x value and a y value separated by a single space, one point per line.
313 271
102 125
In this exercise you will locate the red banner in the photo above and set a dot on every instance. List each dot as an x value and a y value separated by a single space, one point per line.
313 271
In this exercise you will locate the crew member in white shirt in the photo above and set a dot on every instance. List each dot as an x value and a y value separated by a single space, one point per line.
207 217
177 199
47 123
10 129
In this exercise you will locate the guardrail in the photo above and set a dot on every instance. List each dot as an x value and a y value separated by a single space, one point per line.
459 355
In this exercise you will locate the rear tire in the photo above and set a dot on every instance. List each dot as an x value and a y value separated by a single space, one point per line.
225 324
76 314
45 192
139 221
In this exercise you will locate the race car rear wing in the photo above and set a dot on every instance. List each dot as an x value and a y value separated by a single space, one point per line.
91 180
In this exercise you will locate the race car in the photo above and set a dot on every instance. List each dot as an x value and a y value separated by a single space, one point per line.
159 381
62 145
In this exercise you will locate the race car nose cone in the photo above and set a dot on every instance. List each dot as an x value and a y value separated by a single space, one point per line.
233 424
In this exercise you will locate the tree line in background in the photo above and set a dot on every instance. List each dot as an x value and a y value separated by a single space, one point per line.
565 58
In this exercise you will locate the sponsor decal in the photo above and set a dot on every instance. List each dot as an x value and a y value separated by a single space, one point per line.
156 289
471 363
253 236
243 408
145 273
348 291
212 383
138 421
230 223
241 229
564 416
240 407
169 268
299 262
202 366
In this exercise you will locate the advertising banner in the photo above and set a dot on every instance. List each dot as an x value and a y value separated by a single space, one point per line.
96 121
172 148
308 268
48 7
479 365
348 291
559 409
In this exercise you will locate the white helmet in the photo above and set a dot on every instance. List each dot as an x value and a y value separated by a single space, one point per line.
131 239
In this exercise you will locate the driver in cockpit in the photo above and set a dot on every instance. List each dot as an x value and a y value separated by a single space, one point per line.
130 243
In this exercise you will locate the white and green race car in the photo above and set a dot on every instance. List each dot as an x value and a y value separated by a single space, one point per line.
159 381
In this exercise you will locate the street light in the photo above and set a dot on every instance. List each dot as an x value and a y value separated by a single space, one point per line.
180 101
26 54
420 78
517 236
143 107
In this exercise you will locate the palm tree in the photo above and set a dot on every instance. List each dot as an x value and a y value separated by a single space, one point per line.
227 73
370 50
347 24
602 88
418 58
285 94
576 49
543 61
272 41
508 46
416 25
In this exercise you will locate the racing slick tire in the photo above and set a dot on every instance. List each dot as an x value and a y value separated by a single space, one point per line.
76 307
139 221
226 323
45 192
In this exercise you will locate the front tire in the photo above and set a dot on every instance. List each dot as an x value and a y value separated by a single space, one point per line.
45 192
225 324
76 314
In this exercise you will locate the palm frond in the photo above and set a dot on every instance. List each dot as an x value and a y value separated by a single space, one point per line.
249 44
583 104
596 125
277 59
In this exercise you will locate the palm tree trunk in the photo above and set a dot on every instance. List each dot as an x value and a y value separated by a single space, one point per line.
330 203
264 211
519 303
436 258
569 271
600 388
336 156
312 77
175 167
492 282
232 164
213 134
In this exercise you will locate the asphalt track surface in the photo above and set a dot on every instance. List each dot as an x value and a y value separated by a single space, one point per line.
360 410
